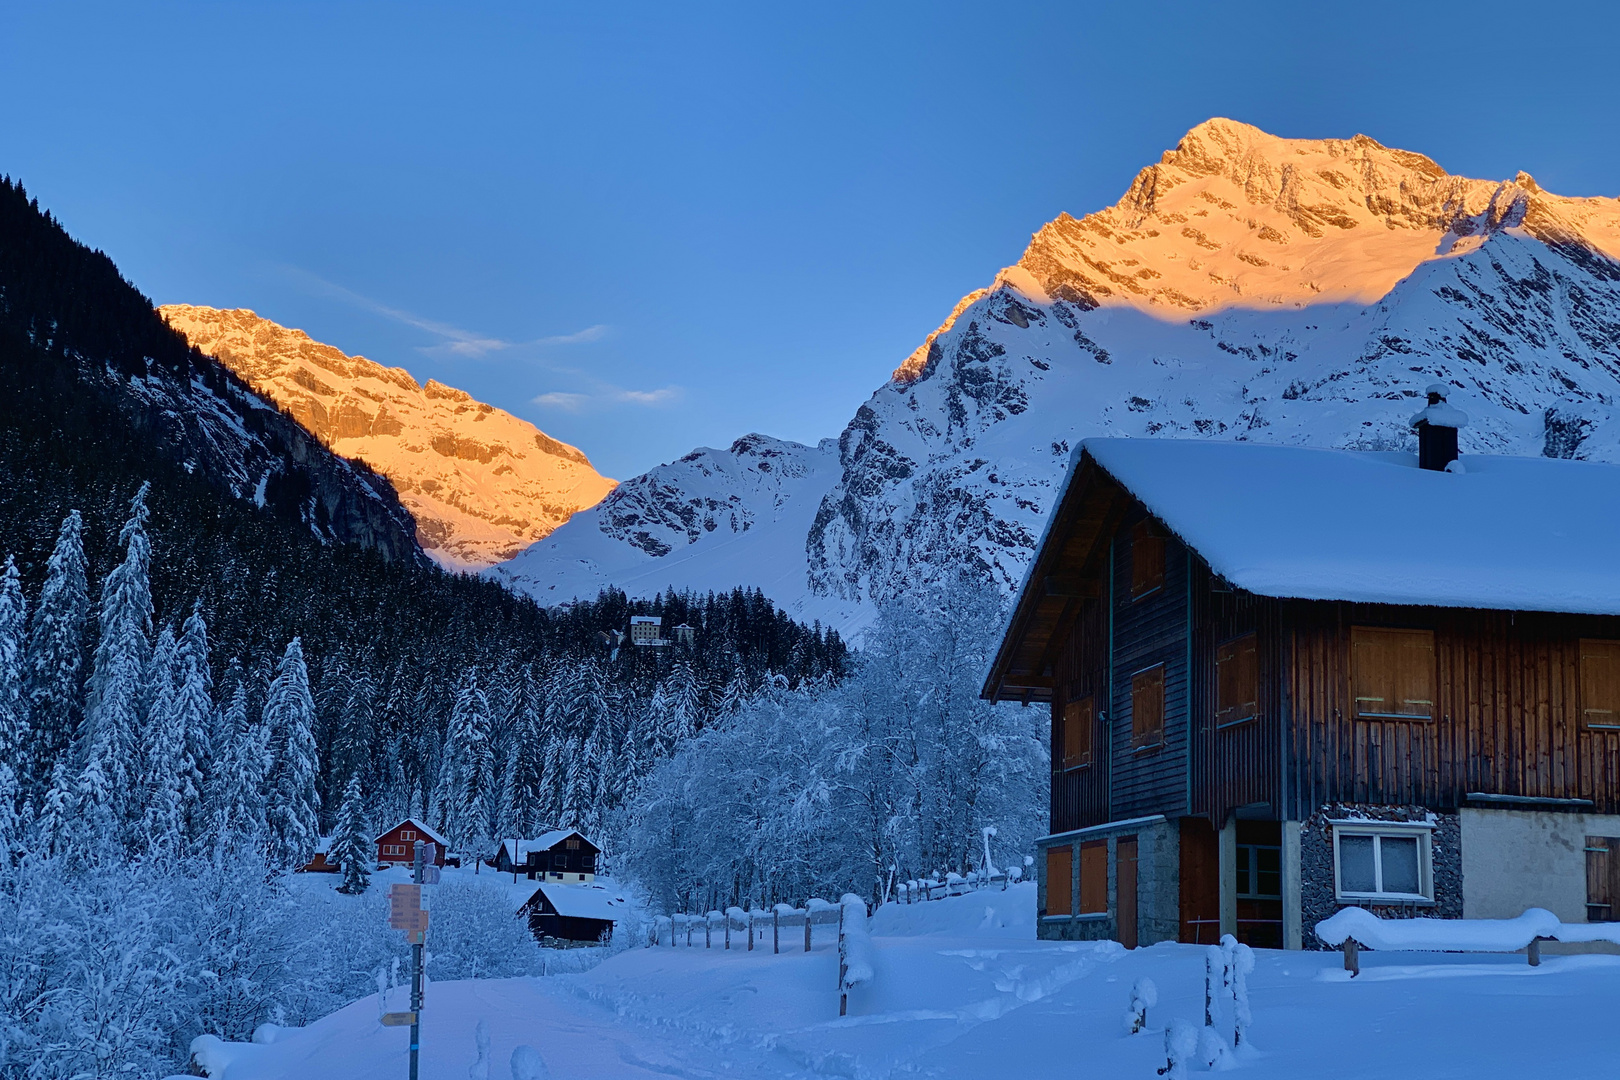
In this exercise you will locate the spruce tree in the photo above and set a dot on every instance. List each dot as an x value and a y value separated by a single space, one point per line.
195 717
236 786
465 795
51 679
15 740
118 676
162 743
289 713
351 841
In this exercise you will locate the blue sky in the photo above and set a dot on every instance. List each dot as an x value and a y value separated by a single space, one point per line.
647 227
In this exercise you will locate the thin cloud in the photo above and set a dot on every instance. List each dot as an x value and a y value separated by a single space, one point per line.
456 341
578 337
608 395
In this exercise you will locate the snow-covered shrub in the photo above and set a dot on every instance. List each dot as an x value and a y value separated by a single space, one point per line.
480 1065
527 1065
476 934
1180 1049
1242 967
1212 1049
823 790
1144 995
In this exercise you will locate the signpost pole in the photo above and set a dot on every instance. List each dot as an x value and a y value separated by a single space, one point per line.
416 973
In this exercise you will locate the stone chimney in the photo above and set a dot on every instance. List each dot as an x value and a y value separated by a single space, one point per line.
1437 425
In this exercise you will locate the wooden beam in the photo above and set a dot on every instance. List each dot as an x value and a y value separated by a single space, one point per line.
1028 682
1071 586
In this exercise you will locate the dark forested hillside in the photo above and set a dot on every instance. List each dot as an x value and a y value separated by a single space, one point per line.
277 538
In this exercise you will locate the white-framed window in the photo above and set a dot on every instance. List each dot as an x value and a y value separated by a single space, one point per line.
407 834
1383 860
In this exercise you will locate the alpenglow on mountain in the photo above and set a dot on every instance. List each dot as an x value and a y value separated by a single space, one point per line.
481 483
1246 287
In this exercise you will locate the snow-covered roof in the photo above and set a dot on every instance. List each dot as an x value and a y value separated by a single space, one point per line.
417 824
584 901
1507 533
518 849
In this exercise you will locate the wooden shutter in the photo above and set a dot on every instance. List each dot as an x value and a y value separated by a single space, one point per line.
1147 559
1147 708
1094 877
1600 683
1392 673
1602 879
1059 886
1079 717
1237 681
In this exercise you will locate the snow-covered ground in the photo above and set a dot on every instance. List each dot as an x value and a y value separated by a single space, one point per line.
964 990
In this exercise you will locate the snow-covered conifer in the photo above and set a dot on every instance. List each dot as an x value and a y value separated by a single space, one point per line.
51 679
14 732
294 803
195 717
237 785
351 841
118 675
10 821
465 795
161 831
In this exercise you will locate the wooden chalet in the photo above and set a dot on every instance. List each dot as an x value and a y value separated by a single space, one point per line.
322 863
397 845
572 914
1284 680
559 855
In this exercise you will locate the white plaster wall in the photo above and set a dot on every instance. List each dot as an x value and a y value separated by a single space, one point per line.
1516 859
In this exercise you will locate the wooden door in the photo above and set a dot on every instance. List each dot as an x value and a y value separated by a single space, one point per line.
1125 880
1200 882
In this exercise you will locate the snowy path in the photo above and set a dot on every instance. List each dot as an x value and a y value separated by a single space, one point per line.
977 1004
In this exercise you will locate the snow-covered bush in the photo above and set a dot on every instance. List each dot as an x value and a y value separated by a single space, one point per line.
1144 995
1212 1049
527 1065
476 934
1180 1049
894 772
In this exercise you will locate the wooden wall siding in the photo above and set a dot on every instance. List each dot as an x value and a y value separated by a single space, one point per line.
1151 630
1507 698
1080 796
1236 765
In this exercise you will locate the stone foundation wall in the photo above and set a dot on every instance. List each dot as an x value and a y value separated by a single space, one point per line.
1317 899
1158 887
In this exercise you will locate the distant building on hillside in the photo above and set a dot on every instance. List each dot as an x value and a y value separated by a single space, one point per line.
396 846
685 634
559 855
583 914
322 863
647 630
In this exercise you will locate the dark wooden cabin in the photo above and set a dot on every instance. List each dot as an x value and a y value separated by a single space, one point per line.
572 914
559 855
1285 680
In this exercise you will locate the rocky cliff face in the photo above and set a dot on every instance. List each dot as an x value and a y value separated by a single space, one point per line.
1245 287
481 484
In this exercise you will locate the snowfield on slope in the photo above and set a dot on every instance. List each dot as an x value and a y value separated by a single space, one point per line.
964 990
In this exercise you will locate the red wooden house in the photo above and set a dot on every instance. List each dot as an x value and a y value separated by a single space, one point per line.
397 845
1286 680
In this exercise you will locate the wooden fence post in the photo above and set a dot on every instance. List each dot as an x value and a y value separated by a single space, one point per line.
1533 951
807 926
776 930
727 917
689 931
750 929
1352 957
843 994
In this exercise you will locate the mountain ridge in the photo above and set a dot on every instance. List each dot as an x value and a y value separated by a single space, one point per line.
480 483
1245 286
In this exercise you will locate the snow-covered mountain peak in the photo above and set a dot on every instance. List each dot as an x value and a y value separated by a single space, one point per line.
482 484
1236 218
1245 287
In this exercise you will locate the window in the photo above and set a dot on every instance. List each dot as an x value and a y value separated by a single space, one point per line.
1094 877
559 861
1382 861
1059 886
1259 872
407 834
1237 681
1147 559
1078 719
1147 708
1392 674
572 844
1600 684
586 862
